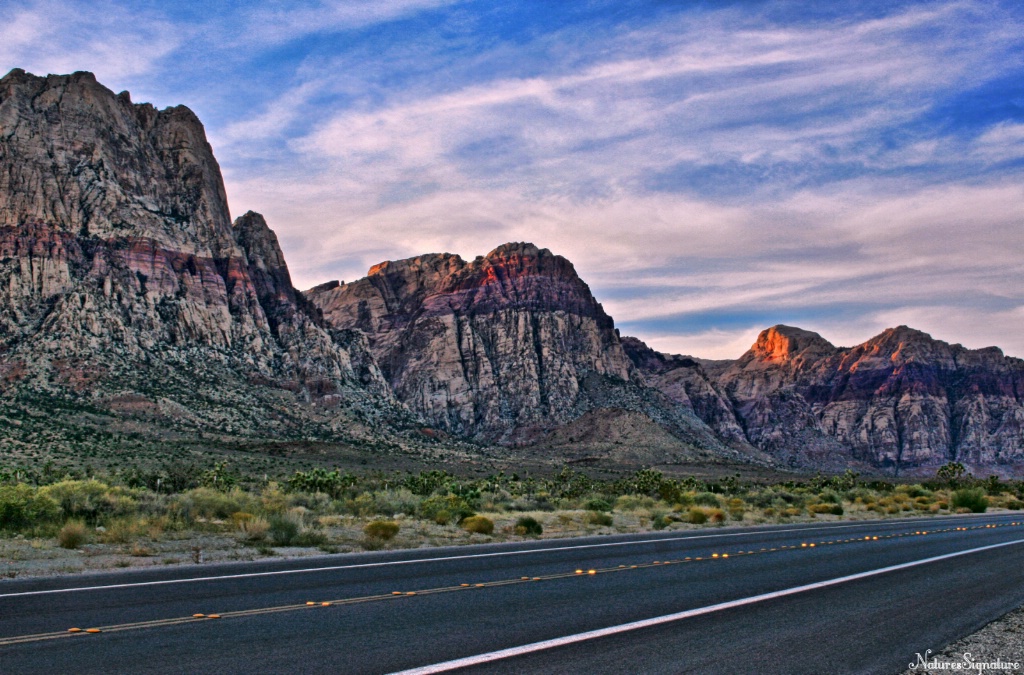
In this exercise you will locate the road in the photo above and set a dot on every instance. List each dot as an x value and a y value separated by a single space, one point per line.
816 598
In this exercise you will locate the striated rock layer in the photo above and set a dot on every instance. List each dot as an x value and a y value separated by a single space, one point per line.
900 401
120 269
499 348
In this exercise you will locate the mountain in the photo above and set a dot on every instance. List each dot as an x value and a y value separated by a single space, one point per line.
125 289
134 314
507 348
902 401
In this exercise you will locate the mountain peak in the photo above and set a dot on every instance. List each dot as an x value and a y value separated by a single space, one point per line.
782 343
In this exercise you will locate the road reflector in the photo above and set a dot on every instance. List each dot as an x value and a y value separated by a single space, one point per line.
812 545
92 630
325 604
479 585
725 555
411 593
400 592
579 571
213 616
536 578
525 578
200 616
875 538
74 630
310 603
463 585
591 571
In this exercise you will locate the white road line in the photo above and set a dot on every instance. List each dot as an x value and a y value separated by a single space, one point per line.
335 568
646 623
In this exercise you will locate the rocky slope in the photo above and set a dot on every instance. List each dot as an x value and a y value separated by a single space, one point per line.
901 401
506 347
125 286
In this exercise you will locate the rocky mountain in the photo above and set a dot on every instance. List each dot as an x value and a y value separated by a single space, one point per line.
506 347
902 401
125 287
134 312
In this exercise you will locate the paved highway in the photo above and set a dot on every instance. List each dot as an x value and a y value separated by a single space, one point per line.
817 598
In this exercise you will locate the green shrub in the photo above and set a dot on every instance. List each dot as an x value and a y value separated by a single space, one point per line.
79 498
659 521
283 530
443 509
382 529
971 498
598 518
528 525
22 506
73 534
598 504
706 499
1015 505
697 517
717 516
478 525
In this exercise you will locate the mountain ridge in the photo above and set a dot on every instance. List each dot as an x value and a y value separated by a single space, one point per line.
130 300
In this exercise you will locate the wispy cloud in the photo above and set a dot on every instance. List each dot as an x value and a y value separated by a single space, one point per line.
710 170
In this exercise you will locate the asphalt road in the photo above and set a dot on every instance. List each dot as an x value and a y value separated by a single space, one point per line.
535 603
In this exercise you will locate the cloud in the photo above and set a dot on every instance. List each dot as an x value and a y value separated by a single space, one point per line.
115 43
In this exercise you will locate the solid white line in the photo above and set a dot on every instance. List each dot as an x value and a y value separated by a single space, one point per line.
646 623
335 568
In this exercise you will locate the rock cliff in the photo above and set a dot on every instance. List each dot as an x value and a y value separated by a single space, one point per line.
901 401
120 270
505 347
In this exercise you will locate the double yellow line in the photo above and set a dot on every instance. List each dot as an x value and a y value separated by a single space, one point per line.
394 595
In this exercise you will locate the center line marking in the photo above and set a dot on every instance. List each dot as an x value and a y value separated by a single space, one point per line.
496 554
656 621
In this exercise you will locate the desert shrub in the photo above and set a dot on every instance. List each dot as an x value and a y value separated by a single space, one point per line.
207 502
737 508
1015 505
381 529
633 502
830 497
78 498
73 534
599 518
123 530
22 506
310 537
284 530
443 509
598 504
706 499
392 502
659 521
273 499
971 498
790 512
478 525
255 529
697 517
528 525
914 491
832 509
716 516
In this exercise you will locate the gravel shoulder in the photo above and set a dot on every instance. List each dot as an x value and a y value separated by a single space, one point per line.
996 648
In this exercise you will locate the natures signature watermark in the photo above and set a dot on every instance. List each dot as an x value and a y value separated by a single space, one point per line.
965 664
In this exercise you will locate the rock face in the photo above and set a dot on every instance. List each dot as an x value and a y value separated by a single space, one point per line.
485 347
900 401
120 268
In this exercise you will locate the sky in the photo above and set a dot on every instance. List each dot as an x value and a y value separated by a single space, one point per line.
710 168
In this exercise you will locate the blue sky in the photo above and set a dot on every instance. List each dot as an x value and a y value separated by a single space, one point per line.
711 168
